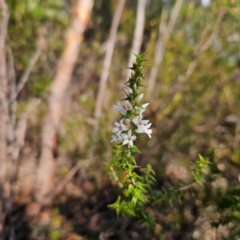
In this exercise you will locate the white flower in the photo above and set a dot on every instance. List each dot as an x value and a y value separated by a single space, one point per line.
128 138
147 130
116 138
119 108
143 125
119 127
141 109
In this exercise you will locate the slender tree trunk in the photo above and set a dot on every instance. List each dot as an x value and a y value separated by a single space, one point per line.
3 113
163 38
138 32
74 37
108 59
3 92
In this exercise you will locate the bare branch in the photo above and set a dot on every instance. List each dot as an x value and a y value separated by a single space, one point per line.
27 72
12 90
23 80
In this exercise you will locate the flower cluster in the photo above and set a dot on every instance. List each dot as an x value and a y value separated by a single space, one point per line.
133 113
124 134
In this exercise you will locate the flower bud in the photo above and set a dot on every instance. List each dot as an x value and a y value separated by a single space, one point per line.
134 86
139 98
132 75
127 91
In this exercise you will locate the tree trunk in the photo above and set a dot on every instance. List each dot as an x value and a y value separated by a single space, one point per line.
108 59
3 93
3 114
47 163
138 33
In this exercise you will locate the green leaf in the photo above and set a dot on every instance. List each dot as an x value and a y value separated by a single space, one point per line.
132 159
135 149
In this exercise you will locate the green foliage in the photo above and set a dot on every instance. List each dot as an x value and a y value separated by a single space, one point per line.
228 204
41 85
199 168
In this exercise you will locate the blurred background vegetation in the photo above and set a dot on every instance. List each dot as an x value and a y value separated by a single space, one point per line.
194 107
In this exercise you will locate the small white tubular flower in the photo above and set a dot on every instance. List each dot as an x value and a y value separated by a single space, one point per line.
142 125
116 138
141 109
129 106
148 131
127 91
119 127
135 86
119 108
128 138
139 98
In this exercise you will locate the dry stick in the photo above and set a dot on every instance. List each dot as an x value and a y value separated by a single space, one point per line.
64 181
163 38
10 135
24 78
47 163
138 33
59 187
12 89
108 59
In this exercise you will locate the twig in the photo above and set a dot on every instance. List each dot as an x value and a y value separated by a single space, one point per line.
192 185
12 88
23 80
65 180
